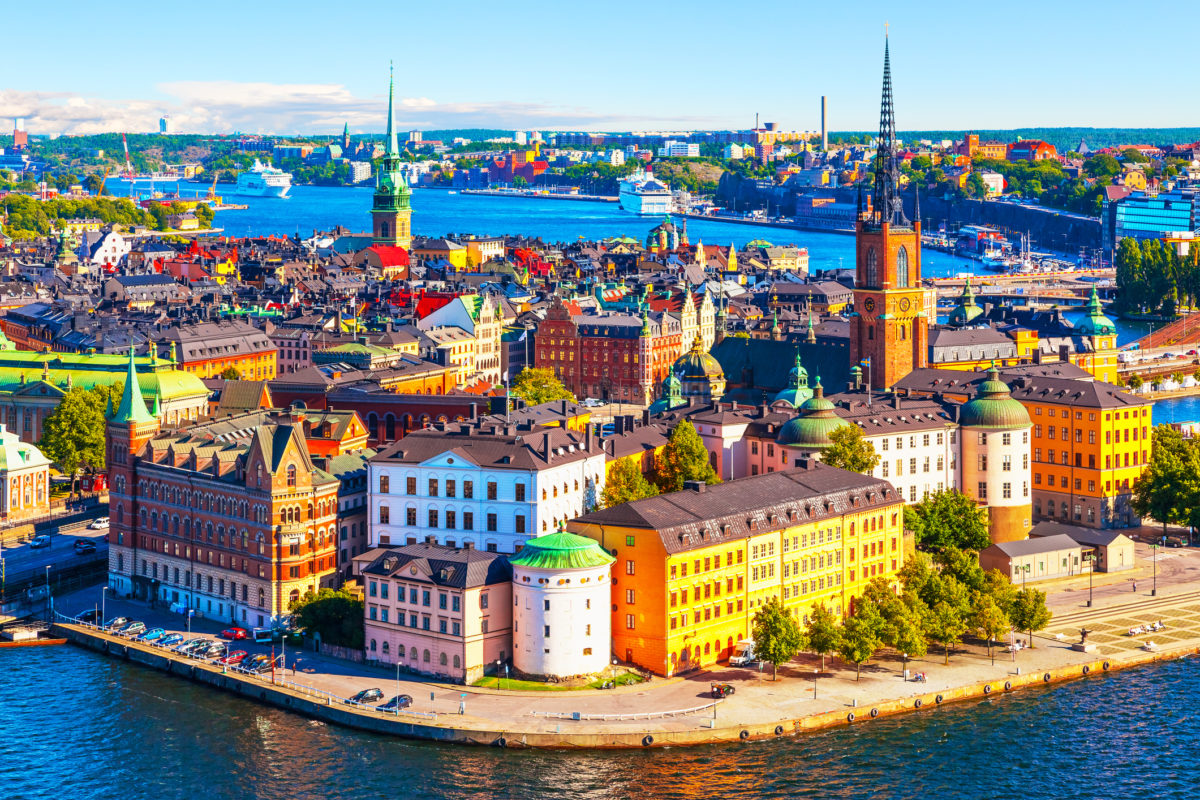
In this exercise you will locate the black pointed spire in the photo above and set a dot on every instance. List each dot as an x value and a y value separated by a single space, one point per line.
887 206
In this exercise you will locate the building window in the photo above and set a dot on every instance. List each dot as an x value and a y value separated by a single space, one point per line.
468 520
468 490
1006 491
629 567
520 523
629 621
491 490
433 487
982 490
491 522
433 518
520 492
410 485
384 516
383 484
629 596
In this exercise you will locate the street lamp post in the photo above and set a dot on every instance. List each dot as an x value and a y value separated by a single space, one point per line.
816 674
103 604
1091 562
47 592
498 684
397 682
1154 562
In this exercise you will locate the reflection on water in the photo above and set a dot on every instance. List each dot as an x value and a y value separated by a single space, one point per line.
113 730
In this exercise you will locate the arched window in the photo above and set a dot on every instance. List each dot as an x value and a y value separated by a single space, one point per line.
293 597
902 268
262 598
457 663
425 656
372 645
872 269
383 230
400 651
385 648
291 475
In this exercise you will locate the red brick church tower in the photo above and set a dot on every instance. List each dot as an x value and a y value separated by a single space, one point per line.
890 329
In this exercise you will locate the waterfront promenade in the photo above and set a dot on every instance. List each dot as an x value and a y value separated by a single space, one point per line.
679 710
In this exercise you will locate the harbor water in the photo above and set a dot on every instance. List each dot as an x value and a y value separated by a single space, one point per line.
78 725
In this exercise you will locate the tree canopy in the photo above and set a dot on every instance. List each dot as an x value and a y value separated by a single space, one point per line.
860 637
626 483
948 518
684 458
850 450
1029 611
335 615
824 633
777 635
73 434
539 385
1168 490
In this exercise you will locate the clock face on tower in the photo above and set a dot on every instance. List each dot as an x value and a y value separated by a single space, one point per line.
869 304
905 304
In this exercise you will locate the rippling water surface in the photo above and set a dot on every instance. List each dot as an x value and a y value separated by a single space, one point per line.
74 724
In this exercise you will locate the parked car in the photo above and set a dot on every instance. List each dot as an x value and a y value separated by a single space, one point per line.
720 690
170 639
267 635
133 628
152 635
397 702
99 524
236 657
91 615
366 696
41 540
233 634
116 622
259 663
83 546
215 650
188 645
1174 541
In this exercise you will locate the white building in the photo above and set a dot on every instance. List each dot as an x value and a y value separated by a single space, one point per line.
24 479
480 316
561 590
166 124
519 137
491 485
735 150
672 149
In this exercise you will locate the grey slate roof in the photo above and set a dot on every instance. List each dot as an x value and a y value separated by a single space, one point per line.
1032 547
456 568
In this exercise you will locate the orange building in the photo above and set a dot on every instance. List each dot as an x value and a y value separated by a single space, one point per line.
694 566
208 349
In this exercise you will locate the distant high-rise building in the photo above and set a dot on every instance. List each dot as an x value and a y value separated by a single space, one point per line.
414 136
20 137
519 137
166 124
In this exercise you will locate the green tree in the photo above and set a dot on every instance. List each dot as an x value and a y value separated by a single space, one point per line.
850 450
903 617
948 518
73 434
519 182
1169 488
777 635
539 385
204 214
626 483
334 615
684 458
231 374
989 620
1029 612
949 611
860 635
824 634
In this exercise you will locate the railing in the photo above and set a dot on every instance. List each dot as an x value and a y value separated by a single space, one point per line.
577 716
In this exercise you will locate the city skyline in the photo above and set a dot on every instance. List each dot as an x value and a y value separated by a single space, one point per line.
259 75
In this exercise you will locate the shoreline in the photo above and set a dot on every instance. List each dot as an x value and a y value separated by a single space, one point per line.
658 730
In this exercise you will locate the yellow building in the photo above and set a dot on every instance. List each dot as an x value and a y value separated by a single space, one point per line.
435 250
694 566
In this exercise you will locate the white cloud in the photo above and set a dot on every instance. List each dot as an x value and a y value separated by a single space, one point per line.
254 107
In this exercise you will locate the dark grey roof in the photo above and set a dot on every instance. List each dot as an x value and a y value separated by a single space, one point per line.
748 506
1089 537
493 446
456 568
1031 547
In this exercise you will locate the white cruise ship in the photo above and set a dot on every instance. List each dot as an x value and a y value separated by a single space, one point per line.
642 193
264 181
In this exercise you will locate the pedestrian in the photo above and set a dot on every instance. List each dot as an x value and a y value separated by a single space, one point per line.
1135 586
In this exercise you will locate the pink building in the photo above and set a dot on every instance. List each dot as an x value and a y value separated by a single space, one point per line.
437 610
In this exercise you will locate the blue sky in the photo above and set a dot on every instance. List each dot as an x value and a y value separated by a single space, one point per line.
299 66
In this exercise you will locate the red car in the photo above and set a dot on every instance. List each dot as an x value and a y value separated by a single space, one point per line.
236 657
233 634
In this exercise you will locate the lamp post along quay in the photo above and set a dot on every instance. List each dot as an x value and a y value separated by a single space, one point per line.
1090 560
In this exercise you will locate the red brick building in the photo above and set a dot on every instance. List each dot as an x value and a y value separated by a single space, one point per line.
612 356
229 517
1031 150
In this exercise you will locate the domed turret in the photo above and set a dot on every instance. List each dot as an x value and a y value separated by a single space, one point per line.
672 395
817 420
966 310
797 390
1095 323
994 406
700 374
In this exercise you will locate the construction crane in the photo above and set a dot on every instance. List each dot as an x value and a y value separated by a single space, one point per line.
128 166
212 190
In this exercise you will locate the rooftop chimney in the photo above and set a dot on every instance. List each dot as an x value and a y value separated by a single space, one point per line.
468 546
430 540
695 486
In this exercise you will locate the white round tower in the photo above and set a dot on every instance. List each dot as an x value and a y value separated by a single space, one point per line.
562 623
995 458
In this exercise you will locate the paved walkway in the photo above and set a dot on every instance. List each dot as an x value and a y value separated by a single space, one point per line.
804 689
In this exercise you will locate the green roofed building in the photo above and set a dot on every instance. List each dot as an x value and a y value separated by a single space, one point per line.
562 625
32 384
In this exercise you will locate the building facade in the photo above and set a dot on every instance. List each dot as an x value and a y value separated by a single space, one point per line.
693 567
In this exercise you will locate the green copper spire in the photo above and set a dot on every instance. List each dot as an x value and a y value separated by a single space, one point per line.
391 147
1095 323
133 407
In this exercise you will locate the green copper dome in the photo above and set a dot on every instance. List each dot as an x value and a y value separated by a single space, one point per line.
797 390
817 420
966 310
994 406
1095 323
696 364
561 550
672 395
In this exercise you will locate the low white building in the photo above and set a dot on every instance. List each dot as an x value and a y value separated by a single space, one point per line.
562 625
489 484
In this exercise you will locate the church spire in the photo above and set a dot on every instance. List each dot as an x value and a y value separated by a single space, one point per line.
391 148
133 407
885 197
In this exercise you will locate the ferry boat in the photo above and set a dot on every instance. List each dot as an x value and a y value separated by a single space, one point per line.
642 193
264 181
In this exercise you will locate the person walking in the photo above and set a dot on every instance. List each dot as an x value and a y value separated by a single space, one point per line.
1135 586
